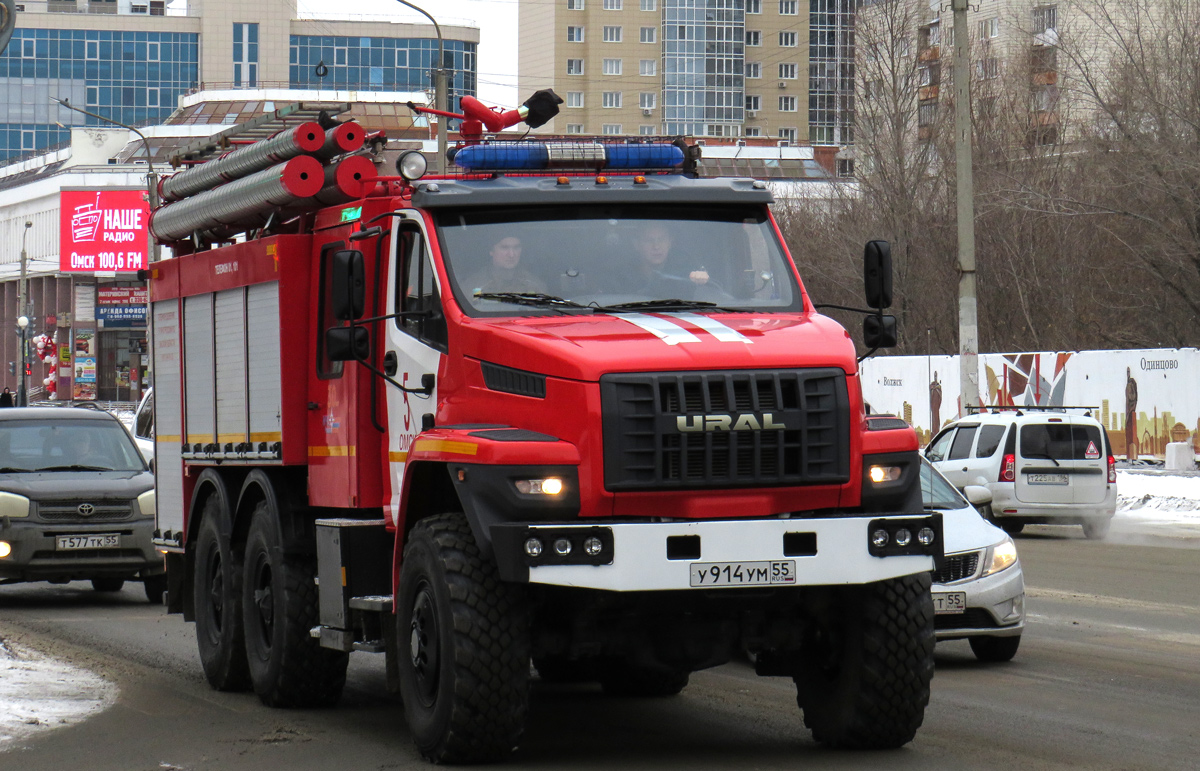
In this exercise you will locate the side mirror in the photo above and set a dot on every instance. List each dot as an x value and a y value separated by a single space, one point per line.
877 274
347 343
348 286
978 495
880 331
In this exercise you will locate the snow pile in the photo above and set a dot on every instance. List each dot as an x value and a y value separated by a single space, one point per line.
38 693
1159 497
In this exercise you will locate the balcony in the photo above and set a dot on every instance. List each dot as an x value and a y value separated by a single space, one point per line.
1045 78
930 54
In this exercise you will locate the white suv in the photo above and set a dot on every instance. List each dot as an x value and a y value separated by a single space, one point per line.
1044 465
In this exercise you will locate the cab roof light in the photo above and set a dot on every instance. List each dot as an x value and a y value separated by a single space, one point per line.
588 155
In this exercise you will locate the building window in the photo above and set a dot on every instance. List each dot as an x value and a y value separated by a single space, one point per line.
611 99
574 34
92 49
987 69
788 133
931 75
752 131
610 129
152 50
574 5
1045 19
753 37
926 113
1046 98
753 69
649 34
612 67
27 140
989 28
28 51
574 128
612 33
754 103
928 37
648 67
647 131
152 97
245 55
574 99
92 95
649 5
647 101
788 7
574 66
787 104
787 70
612 5
787 39
845 167
753 6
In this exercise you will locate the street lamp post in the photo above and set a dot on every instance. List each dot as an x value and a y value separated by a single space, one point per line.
22 391
23 319
440 95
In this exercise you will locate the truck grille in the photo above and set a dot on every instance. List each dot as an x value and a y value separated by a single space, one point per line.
689 430
68 511
957 567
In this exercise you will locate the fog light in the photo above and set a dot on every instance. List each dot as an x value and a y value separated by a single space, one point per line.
5 549
549 486
593 546
881 474
925 535
533 547
562 547
903 537
879 538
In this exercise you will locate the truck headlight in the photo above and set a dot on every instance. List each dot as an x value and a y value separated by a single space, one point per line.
13 505
146 503
548 486
1001 556
881 474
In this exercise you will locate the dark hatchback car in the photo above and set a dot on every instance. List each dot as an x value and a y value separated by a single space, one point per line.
76 501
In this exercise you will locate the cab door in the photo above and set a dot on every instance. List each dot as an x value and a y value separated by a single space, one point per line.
957 465
415 340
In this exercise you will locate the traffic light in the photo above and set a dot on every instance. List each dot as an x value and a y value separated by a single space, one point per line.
28 368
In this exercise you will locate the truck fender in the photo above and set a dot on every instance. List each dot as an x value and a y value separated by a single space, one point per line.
298 534
210 483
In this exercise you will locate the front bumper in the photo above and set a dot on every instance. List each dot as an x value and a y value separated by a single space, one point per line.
995 606
657 556
35 557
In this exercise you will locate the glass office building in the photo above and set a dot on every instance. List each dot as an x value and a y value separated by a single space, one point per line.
702 55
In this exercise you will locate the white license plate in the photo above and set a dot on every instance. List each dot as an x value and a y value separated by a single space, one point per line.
761 573
1047 479
97 541
949 602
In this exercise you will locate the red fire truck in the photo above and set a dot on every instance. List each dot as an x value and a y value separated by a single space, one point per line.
568 406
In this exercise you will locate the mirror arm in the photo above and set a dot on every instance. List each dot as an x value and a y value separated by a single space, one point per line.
867 311
425 390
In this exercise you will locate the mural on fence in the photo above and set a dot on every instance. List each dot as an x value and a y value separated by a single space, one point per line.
1144 398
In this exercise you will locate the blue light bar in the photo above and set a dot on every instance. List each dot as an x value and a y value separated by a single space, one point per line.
594 156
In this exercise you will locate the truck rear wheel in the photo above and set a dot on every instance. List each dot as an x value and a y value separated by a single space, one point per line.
865 668
288 666
464 646
216 587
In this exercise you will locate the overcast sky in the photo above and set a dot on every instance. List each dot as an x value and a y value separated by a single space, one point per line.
496 20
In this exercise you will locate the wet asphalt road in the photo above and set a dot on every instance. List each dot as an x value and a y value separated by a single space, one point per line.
1107 677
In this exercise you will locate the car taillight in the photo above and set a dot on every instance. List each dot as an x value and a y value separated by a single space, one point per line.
1008 469
1112 470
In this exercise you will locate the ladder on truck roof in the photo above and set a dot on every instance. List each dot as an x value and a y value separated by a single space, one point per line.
262 127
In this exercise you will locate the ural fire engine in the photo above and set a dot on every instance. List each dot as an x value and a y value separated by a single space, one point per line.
569 405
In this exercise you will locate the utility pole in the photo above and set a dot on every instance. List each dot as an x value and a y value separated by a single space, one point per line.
968 308
440 95
23 310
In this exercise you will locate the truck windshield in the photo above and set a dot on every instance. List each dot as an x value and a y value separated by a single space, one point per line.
577 259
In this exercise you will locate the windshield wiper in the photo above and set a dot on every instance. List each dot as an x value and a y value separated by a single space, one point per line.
536 299
77 467
1042 455
663 305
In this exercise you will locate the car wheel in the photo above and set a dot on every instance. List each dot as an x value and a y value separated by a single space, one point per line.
1012 528
107 584
994 649
288 666
864 670
1096 529
217 594
464 646
156 587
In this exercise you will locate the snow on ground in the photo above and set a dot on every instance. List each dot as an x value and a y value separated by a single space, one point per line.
39 693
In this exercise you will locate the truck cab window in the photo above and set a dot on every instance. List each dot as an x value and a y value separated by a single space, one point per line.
417 291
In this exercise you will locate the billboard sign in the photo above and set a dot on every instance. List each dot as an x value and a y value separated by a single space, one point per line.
103 230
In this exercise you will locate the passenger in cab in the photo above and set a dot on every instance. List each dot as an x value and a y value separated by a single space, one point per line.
503 272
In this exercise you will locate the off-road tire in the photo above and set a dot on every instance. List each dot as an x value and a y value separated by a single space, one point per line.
464 646
217 593
1096 529
1012 528
106 584
995 649
618 678
865 668
288 666
155 587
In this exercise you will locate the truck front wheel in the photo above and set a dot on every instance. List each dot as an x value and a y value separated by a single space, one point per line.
217 594
288 667
865 668
464 646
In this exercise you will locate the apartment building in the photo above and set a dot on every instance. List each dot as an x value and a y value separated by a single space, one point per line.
780 69
131 60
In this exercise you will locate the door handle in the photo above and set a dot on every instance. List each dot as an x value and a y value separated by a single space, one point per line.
964 468
390 363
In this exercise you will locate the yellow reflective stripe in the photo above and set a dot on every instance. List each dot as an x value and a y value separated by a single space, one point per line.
168 438
445 445
398 457
341 451
267 436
